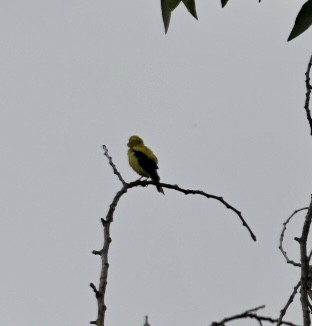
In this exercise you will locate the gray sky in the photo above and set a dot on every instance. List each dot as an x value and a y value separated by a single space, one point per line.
220 101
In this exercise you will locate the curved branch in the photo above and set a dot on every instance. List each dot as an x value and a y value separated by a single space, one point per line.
201 193
103 253
289 261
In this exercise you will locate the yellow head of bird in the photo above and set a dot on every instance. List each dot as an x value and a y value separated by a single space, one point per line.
135 141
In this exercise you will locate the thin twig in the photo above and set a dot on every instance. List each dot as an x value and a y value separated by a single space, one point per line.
110 160
218 198
305 268
289 301
308 93
145 183
289 261
255 309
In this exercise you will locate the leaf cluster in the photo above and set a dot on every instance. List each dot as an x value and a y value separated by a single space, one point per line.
302 23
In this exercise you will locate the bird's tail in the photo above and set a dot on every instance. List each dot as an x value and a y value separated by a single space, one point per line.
159 188
155 178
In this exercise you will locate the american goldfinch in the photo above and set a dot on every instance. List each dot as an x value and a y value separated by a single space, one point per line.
143 160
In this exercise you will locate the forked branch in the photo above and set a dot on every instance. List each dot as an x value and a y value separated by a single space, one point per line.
251 314
103 253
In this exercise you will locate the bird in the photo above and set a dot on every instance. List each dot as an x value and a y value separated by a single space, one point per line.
143 161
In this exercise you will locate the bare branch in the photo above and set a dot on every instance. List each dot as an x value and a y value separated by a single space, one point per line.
145 183
218 198
252 315
255 309
308 93
110 160
290 300
100 295
305 268
94 289
289 261
242 315
103 253
146 321
97 252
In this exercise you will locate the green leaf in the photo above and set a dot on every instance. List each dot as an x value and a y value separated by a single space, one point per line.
172 4
167 6
224 2
166 14
190 5
303 20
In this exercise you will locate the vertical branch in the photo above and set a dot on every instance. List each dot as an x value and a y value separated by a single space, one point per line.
308 93
100 292
146 321
103 253
305 268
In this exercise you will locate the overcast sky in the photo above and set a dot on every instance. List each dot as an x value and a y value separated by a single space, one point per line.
219 100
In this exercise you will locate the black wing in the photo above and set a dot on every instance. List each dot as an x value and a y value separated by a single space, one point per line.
149 166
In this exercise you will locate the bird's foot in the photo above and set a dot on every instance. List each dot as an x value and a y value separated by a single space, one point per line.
142 179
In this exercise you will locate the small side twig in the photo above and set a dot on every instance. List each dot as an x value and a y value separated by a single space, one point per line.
289 261
289 301
308 93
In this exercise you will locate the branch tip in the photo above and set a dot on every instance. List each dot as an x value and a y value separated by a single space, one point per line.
94 288
196 192
111 163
